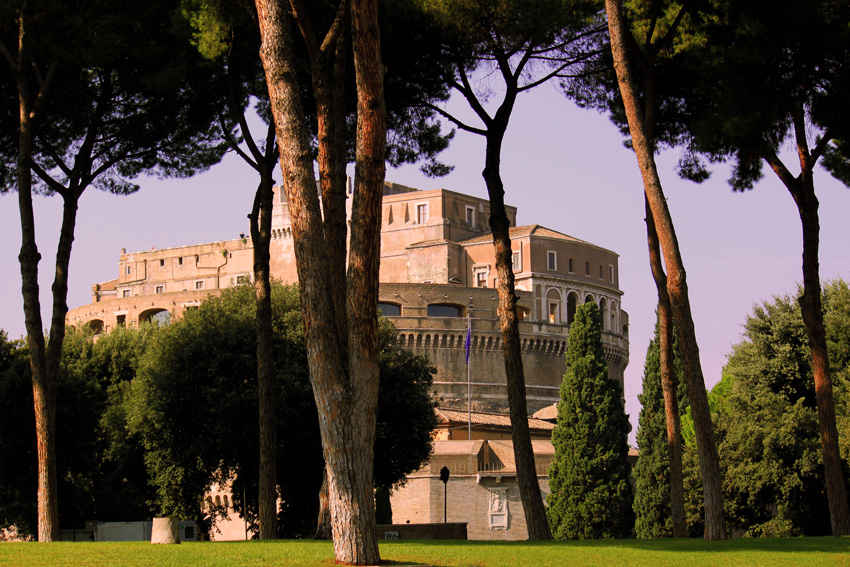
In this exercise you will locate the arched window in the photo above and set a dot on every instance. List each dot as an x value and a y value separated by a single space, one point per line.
389 309
572 301
96 326
155 315
553 306
445 310
603 313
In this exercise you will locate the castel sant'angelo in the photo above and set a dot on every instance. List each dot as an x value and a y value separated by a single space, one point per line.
437 266
437 272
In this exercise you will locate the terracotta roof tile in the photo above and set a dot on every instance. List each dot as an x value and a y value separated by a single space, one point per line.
481 418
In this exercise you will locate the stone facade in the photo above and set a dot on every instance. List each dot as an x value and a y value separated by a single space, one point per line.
437 271
481 491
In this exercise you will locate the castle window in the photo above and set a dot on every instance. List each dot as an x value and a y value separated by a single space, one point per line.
439 310
199 284
516 261
421 213
121 320
611 273
127 271
553 310
389 309
470 216
600 273
161 263
180 261
570 265
241 280
587 268
159 289
125 293
551 260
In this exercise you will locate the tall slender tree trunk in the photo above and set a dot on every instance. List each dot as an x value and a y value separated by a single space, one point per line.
644 147
345 381
802 189
44 362
261 224
668 381
529 488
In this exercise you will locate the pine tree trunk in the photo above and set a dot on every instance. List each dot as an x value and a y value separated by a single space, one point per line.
668 381
261 221
345 383
715 524
529 488
44 364
802 189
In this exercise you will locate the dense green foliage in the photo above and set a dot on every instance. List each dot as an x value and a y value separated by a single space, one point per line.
652 472
195 407
151 416
766 418
591 496
102 472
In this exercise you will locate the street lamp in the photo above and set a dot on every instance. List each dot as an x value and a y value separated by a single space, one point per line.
444 476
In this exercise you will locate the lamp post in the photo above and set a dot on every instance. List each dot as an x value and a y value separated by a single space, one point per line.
444 476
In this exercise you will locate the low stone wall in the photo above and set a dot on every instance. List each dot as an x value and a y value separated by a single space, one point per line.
451 530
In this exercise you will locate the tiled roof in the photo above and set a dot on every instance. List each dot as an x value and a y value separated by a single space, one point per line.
481 418
519 231
547 413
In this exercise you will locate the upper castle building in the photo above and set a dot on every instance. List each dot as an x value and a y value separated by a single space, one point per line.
437 267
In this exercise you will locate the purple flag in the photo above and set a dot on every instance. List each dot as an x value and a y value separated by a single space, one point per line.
468 341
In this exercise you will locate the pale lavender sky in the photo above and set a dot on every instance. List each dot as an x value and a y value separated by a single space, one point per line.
563 168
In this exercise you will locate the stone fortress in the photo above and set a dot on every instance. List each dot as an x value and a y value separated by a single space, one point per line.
437 271
437 268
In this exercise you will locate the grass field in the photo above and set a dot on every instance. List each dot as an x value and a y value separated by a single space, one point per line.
802 552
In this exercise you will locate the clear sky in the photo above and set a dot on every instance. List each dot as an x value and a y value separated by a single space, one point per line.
563 168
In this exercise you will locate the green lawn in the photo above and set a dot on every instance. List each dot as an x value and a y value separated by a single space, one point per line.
802 552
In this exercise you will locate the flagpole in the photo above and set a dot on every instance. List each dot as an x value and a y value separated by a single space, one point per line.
468 377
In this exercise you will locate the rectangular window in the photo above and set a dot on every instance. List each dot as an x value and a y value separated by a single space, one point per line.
470 216
421 213
180 261
125 293
553 313
552 260
611 273
161 263
241 280
480 279
199 285
516 261
570 265
127 270
121 320
160 289
600 273
587 268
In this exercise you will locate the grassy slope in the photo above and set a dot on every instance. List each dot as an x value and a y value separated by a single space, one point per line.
803 552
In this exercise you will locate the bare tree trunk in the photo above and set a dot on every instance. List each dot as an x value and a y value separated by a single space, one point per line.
44 362
668 381
644 146
529 488
261 223
345 382
802 189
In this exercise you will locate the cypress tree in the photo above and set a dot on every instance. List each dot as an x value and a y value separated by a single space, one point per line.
652 472
591 496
